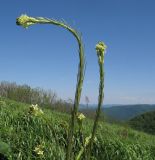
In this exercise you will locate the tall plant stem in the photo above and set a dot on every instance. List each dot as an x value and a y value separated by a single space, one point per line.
26 21
100 48
100 100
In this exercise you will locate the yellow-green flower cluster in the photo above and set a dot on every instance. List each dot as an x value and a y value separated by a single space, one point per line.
39 150
26 21
35 110
100 49
81 117
87 140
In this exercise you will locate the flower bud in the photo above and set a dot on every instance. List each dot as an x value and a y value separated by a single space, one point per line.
26 21
100 49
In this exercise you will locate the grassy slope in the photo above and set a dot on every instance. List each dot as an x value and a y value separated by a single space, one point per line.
23 133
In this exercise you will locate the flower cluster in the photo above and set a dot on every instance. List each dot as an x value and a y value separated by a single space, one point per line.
81 117
100 49
39 150
35 110
26 21
87 140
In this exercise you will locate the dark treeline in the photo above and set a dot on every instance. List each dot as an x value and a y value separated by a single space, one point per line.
26 94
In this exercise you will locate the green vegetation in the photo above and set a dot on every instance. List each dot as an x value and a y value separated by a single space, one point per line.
44 136
144 122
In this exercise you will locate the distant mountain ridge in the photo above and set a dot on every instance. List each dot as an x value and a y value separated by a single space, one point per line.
121 112
126 112
95 105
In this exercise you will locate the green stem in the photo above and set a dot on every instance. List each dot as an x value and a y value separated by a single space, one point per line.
98 111
80 153
26 21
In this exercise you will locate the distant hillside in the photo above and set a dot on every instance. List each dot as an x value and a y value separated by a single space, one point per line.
93 106
126 112
144 122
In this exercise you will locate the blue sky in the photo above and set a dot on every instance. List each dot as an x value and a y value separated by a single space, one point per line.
46 56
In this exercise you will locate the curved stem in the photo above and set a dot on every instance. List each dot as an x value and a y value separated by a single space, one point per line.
26 21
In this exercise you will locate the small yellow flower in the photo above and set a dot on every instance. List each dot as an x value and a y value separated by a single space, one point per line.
87 140
26 21
35 110
38 150
81 116
100 49
35 107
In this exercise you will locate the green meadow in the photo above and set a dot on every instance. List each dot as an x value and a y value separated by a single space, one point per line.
26 136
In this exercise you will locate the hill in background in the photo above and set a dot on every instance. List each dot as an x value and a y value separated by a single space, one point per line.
126 112
118 112
144 122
